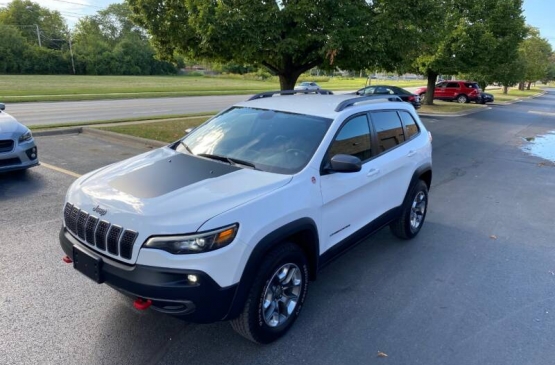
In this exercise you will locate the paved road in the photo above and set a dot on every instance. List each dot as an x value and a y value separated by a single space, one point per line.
86 111
475 287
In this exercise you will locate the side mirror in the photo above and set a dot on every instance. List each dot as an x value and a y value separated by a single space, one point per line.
345 163
2 106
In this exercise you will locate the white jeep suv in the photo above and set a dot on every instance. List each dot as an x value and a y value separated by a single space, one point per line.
232 221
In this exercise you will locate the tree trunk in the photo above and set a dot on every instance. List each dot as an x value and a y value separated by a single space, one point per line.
505 89
521 85
528 86
288 80
429 99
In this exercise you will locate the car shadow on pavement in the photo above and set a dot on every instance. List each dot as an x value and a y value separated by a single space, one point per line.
17 184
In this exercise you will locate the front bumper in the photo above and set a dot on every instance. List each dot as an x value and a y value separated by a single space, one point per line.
169 289
23 156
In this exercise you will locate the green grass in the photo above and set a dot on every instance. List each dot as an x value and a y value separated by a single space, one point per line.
167 131
513 94
448 107
26 88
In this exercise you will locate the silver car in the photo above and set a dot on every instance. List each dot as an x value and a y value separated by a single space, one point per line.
308 86
17 146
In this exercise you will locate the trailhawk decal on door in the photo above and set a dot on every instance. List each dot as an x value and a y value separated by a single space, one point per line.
164 176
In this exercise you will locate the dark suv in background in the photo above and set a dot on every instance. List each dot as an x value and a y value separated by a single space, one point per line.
460 91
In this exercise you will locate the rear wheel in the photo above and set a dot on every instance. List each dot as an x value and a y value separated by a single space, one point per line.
413 212
276 296
462 99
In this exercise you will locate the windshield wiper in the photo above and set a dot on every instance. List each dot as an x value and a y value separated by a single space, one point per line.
187 148
230 160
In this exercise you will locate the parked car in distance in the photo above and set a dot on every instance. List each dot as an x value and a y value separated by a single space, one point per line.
406 95
486 98
232 221
307 85
17 146
459 91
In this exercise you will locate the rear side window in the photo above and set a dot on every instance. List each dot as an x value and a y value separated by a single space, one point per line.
452 84
353 139
389 129
471 85
410 124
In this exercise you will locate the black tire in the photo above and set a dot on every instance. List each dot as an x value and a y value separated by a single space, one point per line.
404 226
251 323
462 99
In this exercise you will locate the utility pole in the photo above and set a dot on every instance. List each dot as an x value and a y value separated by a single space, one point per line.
71 53
38 34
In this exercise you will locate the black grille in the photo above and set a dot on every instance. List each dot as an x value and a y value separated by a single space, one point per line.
113 239
99 233
81 219
89 229
6 145
126 244
10 161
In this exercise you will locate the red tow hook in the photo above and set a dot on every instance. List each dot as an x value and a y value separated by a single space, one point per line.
67 259
142 304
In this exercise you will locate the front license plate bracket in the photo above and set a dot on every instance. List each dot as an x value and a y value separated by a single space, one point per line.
87 264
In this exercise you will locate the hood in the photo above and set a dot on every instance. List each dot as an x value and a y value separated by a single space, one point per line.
9 125
167 192
421 90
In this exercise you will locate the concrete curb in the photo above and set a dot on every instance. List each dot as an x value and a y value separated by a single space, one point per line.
123 137
108 135
58 131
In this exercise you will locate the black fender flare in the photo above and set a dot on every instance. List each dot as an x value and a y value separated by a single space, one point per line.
423 172
311 248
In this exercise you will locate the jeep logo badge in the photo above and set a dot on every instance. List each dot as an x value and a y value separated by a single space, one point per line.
100 211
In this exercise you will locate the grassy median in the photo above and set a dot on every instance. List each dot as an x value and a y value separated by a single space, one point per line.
26 88
166 131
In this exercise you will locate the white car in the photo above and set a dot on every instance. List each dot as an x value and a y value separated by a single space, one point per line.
309 86
232 221
17 146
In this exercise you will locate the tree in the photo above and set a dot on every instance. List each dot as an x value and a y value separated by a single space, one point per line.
286 37
535 52
109 43
14 47
459 36
31 18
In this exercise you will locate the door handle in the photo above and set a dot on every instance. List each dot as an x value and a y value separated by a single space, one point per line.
372 172
411 153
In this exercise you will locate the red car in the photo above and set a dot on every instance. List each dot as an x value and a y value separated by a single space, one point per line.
460 91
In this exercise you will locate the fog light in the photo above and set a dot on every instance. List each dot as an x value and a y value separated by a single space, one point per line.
192 278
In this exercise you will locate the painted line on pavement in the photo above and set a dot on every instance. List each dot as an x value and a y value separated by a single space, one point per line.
59 169
541 113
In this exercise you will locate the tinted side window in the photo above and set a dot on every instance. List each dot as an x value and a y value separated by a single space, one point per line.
452 84
389 129
410 124
353 139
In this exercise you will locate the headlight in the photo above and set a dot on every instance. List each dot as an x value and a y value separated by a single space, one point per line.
194 243
27 136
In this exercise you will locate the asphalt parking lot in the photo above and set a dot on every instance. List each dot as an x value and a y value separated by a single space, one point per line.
477 286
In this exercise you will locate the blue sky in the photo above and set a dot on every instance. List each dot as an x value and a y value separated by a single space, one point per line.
538 13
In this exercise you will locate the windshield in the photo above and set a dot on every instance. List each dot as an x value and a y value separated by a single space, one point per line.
266 140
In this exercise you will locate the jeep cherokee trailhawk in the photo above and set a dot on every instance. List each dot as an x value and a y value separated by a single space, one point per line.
233 220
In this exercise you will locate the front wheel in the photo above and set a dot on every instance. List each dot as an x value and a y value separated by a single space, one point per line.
413 212
422 97
276 296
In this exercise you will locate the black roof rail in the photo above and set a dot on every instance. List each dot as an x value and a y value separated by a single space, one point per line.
365 99
269 94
